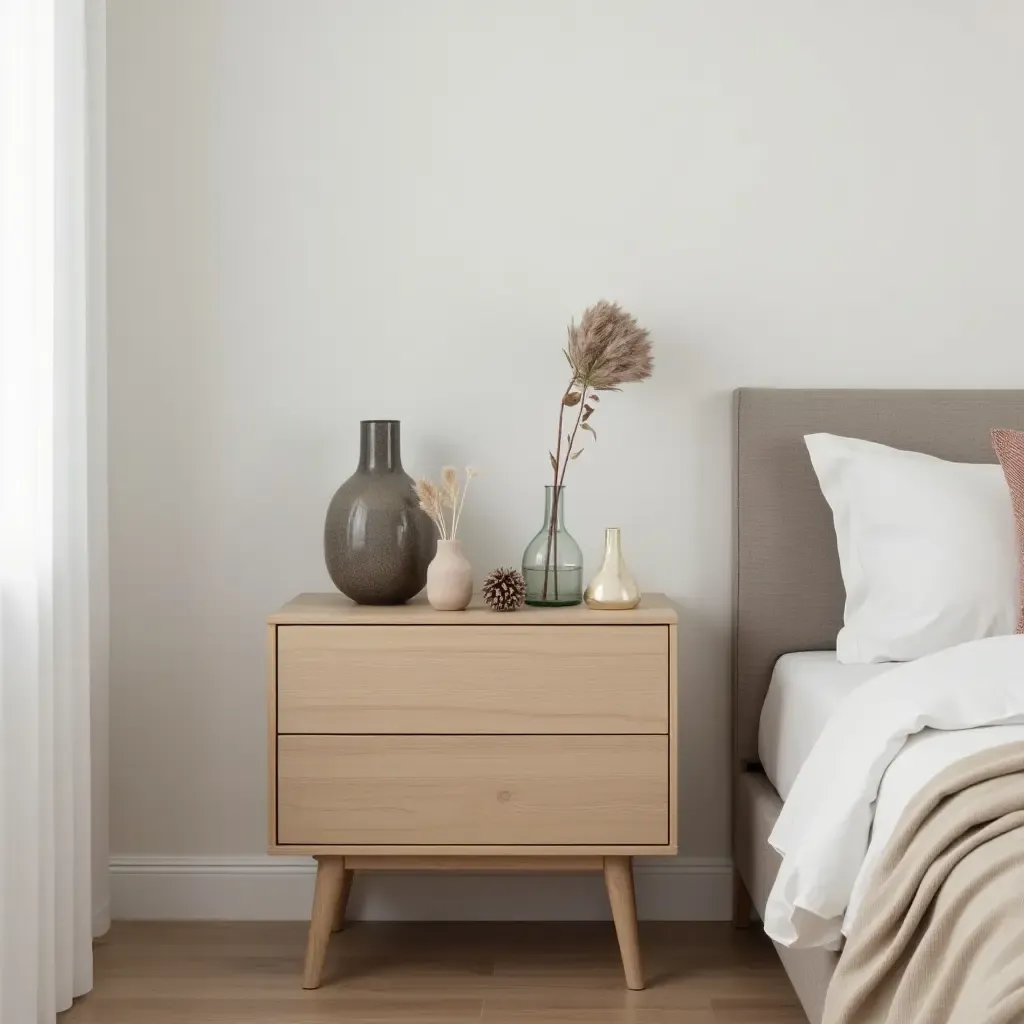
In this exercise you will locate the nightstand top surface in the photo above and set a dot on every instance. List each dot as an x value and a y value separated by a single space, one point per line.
336 609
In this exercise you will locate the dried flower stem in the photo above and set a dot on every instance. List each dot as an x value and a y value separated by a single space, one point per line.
560 484
431 502
572 436
435 499
470 473
553 528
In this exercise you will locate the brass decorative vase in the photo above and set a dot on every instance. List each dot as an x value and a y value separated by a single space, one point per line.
613 587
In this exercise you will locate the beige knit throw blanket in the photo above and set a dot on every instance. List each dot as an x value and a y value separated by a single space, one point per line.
940 935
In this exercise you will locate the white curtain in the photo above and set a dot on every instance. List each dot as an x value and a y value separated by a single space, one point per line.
52 582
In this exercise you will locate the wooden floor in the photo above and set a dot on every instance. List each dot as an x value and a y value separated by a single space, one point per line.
434 974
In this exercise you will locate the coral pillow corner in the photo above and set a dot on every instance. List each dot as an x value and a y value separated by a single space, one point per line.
1009 447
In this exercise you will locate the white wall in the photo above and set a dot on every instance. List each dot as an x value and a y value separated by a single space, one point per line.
322 211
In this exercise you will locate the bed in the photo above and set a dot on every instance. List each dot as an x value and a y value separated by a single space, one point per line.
789 596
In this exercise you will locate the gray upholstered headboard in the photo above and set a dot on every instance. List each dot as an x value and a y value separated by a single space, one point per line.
789 593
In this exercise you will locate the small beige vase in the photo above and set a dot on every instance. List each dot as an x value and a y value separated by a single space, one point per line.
449 578
613 587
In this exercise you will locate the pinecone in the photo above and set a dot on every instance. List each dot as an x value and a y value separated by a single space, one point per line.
505 590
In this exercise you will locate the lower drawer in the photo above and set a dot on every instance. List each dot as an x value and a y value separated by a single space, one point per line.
472 790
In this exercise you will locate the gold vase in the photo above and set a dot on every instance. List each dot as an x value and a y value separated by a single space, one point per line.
613 587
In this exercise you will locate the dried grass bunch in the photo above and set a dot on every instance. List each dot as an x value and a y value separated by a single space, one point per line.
447 497
606 350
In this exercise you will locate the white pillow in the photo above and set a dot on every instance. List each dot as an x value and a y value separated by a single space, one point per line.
926 547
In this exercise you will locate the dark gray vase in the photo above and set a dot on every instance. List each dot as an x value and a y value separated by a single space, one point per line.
378 542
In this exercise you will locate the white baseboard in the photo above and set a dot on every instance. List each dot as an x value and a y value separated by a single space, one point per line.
263 888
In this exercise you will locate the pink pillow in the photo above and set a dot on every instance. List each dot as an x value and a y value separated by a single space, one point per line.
1009 446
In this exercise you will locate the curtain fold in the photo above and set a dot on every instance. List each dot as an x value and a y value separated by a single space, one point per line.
51 525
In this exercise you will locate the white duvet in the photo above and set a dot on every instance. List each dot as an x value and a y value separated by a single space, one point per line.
883 743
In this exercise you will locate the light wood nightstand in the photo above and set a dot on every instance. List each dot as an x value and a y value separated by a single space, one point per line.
405 738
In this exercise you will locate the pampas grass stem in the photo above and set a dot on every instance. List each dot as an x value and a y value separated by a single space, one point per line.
434 499
470 473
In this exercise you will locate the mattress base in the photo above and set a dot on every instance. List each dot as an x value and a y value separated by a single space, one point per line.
757 808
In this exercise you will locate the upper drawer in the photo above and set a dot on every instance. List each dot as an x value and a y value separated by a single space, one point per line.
472 679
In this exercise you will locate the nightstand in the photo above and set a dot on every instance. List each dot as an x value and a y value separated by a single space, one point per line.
406 738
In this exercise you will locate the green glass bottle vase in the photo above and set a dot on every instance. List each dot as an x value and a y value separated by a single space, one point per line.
552 561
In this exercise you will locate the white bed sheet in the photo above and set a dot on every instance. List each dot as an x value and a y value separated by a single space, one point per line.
805 689
887 740
922 757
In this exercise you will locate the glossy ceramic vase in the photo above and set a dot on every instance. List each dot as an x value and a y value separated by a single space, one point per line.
613 586
449 578
378 542
552 561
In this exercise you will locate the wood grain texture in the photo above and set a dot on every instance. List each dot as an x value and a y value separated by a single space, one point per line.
618 880
341 906
491 678
327 609
673 731
476 852
271 656
330 874
501 973
472 790
482 864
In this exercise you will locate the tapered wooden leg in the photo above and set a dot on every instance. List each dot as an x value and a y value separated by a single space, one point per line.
741 906
330 872
339 908
618 879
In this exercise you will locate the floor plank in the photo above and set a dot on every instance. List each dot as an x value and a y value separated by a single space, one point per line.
499 973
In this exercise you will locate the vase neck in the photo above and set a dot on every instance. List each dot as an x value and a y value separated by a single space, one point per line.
549 505
612 545
380 446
